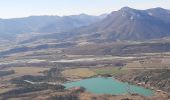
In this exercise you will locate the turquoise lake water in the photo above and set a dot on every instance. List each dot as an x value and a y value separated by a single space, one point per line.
112 86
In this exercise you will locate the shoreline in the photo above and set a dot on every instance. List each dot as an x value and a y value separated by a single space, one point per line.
113 78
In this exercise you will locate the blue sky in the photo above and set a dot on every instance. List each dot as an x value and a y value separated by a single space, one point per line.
23 8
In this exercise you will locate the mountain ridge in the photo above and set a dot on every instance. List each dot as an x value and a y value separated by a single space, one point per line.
130 24
124 24
10 28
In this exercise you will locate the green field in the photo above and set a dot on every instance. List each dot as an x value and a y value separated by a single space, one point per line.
111 71
86 72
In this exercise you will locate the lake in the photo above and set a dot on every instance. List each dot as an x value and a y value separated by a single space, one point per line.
101 85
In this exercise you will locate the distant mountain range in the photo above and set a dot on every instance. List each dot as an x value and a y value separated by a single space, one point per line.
10 28
124 24
135 31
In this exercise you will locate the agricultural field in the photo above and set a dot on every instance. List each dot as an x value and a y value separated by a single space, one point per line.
108 70
78 73
5 88
28 70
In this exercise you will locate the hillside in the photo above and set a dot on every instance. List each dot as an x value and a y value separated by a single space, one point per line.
36 25
124 24
130 24
156 78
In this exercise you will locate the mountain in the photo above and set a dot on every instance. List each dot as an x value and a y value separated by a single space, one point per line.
129 24
124 24
67 23
160 13
10 28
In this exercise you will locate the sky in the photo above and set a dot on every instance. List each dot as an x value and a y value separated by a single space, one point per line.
24 8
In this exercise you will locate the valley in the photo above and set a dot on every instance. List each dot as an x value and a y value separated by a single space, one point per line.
124 55
56 66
